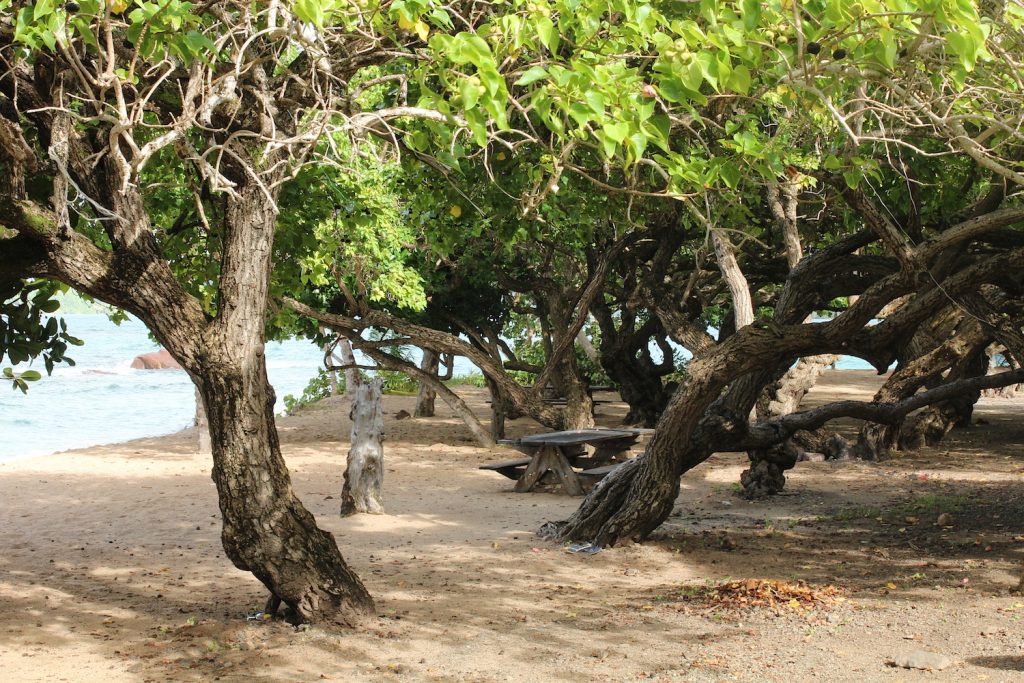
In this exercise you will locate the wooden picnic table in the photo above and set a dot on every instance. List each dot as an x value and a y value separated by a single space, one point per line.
563 453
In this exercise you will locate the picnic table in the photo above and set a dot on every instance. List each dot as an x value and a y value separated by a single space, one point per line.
563 453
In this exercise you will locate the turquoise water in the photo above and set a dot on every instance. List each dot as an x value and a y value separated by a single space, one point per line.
103 400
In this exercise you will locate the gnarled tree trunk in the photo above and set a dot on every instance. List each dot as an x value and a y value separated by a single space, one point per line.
267 531
765 476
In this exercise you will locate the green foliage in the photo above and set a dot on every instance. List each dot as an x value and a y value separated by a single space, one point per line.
474 379
319 387
397 382
28 330
168 29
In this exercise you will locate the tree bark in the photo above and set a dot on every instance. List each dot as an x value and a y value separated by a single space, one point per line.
765 476
639 498
425 400
364 475
266 529
742 305
454 401
348 361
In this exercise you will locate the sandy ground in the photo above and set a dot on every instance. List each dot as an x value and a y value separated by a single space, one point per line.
111 567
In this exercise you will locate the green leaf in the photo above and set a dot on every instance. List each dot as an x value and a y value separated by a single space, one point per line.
740 79
311 11
547 34
731 174
30 376
616 131
470 89
532 75
853 178
751 10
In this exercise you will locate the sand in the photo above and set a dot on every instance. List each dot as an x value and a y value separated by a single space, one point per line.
111 567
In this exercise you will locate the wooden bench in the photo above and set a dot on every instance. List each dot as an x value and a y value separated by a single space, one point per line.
513 469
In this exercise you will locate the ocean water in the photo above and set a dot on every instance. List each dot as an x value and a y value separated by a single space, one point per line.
103 400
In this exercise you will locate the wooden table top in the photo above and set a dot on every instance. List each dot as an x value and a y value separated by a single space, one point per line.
573 437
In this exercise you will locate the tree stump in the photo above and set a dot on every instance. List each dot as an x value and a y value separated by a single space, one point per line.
203 426
364 474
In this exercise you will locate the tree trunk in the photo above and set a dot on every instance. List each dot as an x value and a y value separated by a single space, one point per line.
931 425
588 347
926 360
364 475
454 401
725 252
267 531
765 476
266 528
202 425
427 395
348 360
497 410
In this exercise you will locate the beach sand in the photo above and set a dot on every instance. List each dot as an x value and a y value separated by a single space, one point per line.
111 567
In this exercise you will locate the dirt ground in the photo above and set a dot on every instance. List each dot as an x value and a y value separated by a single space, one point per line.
111 567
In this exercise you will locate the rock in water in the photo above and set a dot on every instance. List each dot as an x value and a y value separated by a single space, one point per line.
157 360
919 659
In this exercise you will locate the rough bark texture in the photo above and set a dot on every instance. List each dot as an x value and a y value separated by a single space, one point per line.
364 475
266 529
640 497
931 351
931 425
765 476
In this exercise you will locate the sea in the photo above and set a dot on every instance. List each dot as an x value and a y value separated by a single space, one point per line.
103 400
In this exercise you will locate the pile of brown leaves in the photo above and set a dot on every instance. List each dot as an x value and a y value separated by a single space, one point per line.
765 593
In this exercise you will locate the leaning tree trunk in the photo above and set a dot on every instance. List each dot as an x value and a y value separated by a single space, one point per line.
875 439
266 529
364 475
427 394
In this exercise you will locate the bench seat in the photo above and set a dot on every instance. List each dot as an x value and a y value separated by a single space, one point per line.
513 469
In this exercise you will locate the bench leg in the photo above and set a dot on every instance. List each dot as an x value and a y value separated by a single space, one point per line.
533 472
570 481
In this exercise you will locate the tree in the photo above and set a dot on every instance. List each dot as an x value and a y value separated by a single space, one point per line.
223 103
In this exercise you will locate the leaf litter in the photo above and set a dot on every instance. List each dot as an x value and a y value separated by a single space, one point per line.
769 594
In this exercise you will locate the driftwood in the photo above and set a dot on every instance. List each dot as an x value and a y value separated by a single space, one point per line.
364 475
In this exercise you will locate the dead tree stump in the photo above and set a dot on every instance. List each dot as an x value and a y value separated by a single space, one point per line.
364 475
203 426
